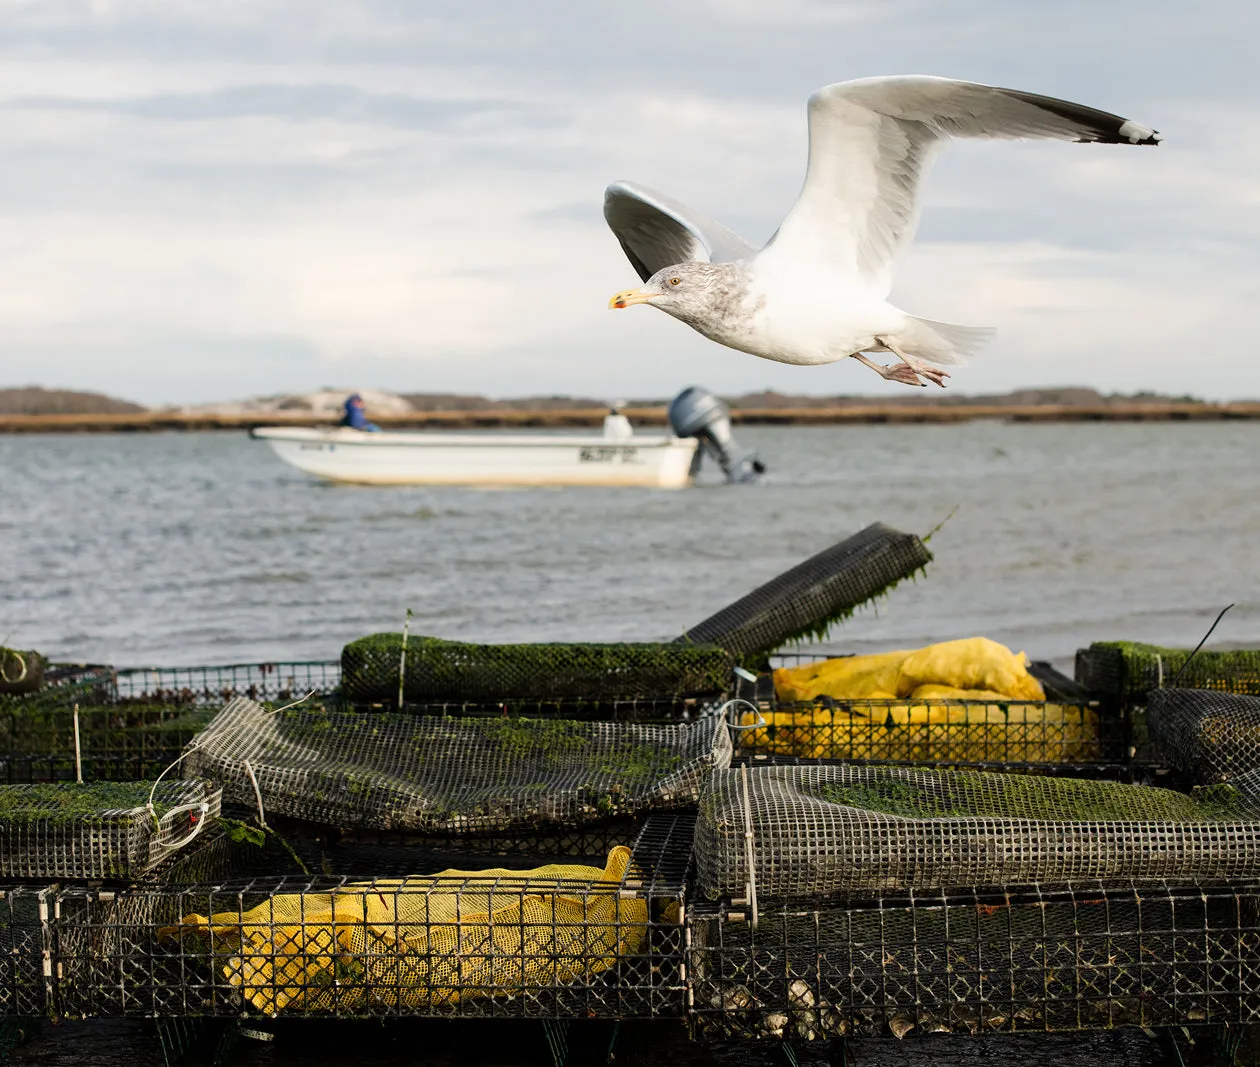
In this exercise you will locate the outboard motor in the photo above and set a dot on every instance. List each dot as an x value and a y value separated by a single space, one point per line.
696 412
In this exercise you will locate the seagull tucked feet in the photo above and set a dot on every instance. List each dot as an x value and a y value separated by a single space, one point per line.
818 291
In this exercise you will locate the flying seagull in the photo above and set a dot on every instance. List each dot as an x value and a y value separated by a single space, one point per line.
818 291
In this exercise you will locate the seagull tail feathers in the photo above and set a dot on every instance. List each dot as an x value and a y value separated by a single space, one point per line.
944 343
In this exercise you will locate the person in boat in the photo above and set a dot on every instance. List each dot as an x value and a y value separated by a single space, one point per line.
356 415
616 425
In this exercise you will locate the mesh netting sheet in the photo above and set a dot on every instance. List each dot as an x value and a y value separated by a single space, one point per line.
824 830
1207 735
804 601
438 670
1085 957
1127 670
98 830
392 771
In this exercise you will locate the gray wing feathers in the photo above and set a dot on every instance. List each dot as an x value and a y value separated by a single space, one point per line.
656 231
871 143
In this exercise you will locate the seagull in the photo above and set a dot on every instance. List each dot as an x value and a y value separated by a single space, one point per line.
818 291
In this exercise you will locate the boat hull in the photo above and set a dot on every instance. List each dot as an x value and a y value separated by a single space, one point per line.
352 456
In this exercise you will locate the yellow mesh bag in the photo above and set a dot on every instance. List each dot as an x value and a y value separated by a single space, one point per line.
903 705
426 941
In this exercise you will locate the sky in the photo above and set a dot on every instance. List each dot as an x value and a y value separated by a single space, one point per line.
207 201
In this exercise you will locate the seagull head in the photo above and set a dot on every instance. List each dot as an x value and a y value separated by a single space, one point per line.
686 290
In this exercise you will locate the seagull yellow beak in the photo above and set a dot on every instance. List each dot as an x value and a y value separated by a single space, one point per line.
630 296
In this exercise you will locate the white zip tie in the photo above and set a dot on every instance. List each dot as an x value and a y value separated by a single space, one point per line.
20 658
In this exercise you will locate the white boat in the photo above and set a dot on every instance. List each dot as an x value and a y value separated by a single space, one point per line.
661 461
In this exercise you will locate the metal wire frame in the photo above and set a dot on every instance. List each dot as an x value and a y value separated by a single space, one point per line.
215 686
113 742
66 683
621 709
588 949
25 938
1065 734
110 844
1076 957
388 854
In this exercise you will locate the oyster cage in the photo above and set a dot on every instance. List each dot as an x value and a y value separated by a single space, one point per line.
1125 671
1066 733
25 989
79 831
831 829
114 742
215 686
1207 735
1079 957
391 771
549 943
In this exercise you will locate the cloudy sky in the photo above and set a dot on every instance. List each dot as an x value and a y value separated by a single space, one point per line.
210 200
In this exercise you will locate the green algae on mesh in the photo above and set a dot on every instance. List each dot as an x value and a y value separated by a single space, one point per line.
1142 666
534 737
63 802
439 670
969 795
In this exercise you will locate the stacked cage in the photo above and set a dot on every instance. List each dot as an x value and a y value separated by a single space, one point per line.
855 900
481 863
1121 674
99 724
1064 732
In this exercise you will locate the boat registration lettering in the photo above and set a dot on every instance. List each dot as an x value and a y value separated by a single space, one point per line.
307 446
608 454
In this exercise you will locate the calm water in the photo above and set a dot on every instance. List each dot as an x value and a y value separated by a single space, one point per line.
204 548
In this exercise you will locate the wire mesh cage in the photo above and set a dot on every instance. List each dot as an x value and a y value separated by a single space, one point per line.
427 670
552 942
1063 733
1207 735
61 684
391 771
25 936
393 853
1125 671
215 686
1084 956
826 830
112 742
99 830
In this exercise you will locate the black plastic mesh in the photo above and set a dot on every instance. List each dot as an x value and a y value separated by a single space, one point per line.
833 829
392 771
96 830
438 670
1084 957
576 948
804 601
1209 736
1127 670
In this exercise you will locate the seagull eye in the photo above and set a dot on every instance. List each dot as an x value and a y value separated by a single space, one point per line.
674 281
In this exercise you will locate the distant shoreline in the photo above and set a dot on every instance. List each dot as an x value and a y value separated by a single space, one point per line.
857 414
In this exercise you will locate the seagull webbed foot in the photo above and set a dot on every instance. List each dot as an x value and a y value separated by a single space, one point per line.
898 372
933 374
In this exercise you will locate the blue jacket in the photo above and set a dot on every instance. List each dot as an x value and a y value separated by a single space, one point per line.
355 417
